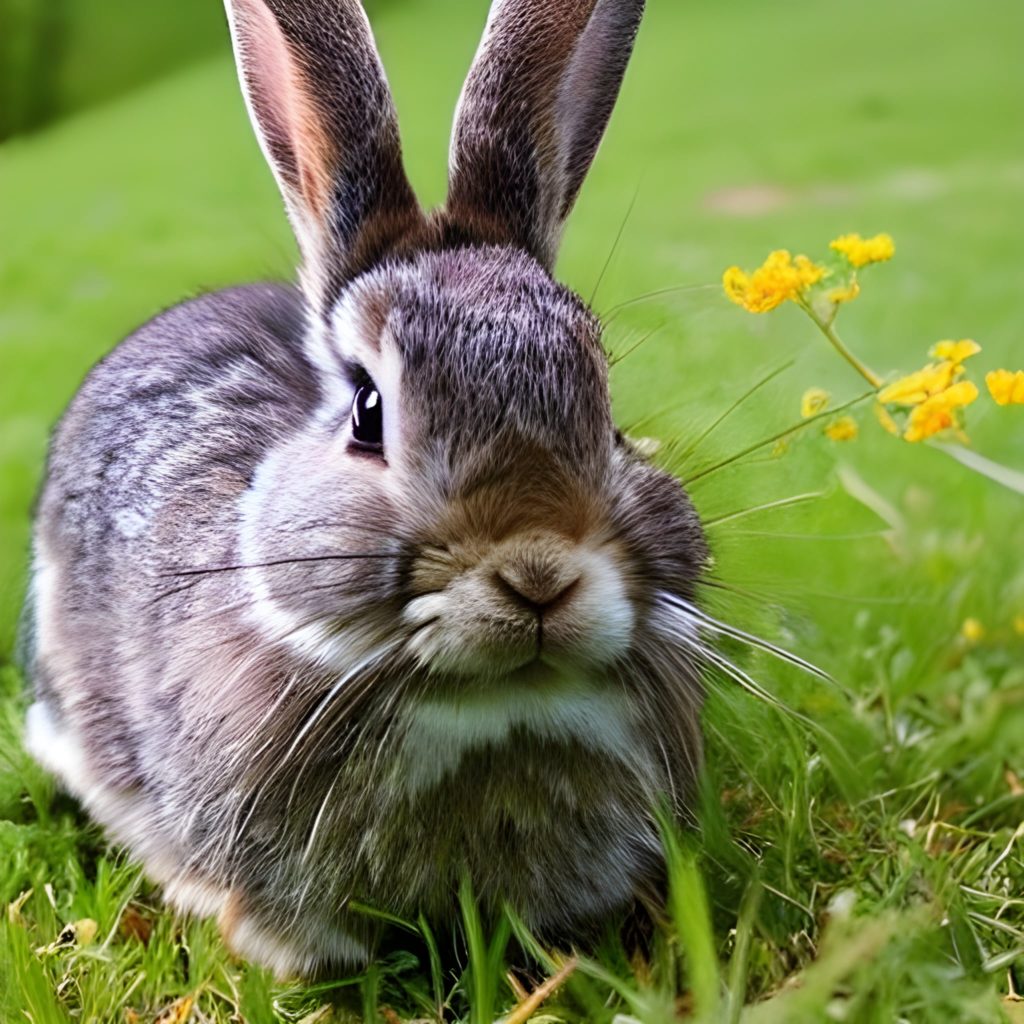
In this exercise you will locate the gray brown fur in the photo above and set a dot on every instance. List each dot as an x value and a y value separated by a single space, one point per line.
275 731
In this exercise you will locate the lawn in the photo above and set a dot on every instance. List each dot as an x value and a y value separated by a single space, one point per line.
860 852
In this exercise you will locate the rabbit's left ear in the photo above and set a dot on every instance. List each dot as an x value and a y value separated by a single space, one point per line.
322 110
532 114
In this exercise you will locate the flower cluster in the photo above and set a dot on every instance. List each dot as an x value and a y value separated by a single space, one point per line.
822 286
779 278
862 251
916 407
935 396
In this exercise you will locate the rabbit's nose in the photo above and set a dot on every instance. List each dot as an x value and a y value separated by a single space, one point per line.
536 585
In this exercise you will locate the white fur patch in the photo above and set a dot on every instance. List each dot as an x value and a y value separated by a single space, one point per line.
311 640
383 364
604 601
57 750
318 348
440 731
195 895
130 524
44 594
127 814
254 942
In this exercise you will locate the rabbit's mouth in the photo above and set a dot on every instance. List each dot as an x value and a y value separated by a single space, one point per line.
525 607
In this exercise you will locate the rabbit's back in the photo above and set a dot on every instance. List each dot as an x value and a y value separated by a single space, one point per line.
144 474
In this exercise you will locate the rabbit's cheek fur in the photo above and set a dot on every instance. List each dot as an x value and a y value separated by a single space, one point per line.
310 507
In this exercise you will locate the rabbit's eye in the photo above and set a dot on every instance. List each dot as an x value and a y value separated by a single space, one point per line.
368 418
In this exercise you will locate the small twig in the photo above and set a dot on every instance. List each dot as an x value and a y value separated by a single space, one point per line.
521 993
826 328
525 1010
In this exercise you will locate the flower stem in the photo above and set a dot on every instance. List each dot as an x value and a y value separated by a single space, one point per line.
836 342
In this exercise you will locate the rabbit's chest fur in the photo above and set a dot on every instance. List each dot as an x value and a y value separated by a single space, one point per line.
541 813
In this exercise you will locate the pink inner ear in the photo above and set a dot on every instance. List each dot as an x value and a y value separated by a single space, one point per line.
285 113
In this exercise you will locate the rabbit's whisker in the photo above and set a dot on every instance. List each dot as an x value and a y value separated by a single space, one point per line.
796 499
253 600
164 594
244 743
332 693
718 660
384 713
613 311
758 445
358 679
615 245
281 561
722 417
750 639
615 358
354 742
308 849
777 535
652 417
762 592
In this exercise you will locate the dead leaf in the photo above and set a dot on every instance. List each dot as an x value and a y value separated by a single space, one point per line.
14 908
178 1012
322 1014
1013 1007
78 933
136 926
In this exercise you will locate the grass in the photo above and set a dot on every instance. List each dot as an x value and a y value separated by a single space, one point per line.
863 863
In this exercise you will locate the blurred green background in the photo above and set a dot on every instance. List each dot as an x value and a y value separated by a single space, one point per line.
60 56
129 178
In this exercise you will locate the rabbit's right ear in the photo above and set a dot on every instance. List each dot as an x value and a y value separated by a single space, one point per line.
320 103
532 114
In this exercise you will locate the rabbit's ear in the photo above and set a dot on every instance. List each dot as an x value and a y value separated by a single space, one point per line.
320 103
532 114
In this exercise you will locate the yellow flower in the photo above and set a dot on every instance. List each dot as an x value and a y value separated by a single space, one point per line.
847 294
918 387
927 420
1006 387
1018 624
888 423
954 351
814 401
972 630
779 278
938 413
862 251
842 429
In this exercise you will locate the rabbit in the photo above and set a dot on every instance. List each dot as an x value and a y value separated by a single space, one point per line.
346 593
